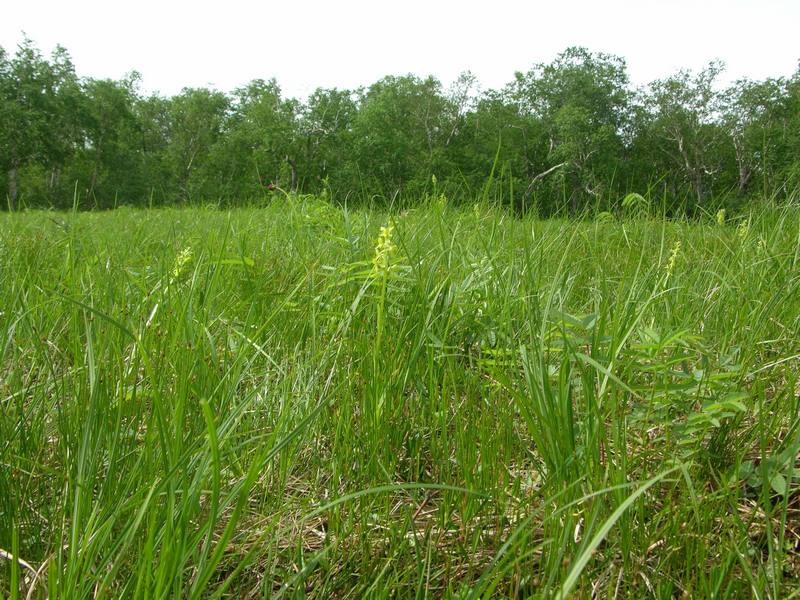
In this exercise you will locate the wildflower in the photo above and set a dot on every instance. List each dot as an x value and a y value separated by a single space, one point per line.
181 261
742 230
721 217
673 258
384 251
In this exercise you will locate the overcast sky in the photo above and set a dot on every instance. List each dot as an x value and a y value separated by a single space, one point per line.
347 43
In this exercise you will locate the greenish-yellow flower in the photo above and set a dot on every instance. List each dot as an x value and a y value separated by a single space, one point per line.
673 258
384 250
182 260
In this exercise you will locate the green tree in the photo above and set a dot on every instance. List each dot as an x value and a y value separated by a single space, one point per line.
110 161
153 116
679 117
784 160
497 134
261 144
326 128
582 101
197 119
6 111
399 130
39 114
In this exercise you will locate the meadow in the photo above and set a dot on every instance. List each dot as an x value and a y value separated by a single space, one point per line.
304 400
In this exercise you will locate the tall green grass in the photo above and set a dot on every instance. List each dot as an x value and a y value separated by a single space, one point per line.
276 402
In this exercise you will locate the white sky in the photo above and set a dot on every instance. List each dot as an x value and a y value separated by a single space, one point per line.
347 43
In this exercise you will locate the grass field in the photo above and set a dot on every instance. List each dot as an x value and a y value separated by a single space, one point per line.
291 401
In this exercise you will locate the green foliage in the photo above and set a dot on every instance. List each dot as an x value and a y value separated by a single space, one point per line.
582 100
305 399
635 205
398 133
777 473
565 137
39 116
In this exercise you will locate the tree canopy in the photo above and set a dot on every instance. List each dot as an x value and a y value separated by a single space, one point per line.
562 136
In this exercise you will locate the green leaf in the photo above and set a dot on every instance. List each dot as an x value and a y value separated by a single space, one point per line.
588 551
240 262
778 483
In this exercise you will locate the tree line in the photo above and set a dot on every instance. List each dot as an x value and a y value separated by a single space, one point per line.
563 135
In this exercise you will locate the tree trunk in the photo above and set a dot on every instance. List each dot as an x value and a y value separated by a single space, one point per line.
698 186
744 169
744 178
13 173
52 181
92 181
95 171
293 165
529 190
